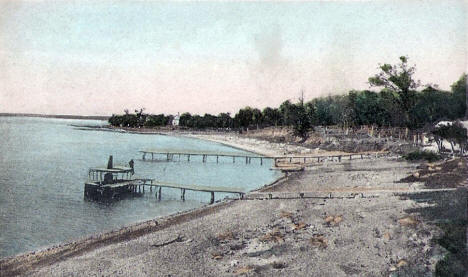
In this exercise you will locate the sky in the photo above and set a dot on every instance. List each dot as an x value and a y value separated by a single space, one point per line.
101 57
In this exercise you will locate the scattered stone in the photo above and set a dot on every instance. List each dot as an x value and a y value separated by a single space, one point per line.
234 263
217 255
387 236
319 241
225 236
275 236
299 226
278 265
243 270
285 214
401 263
333 220
235 247
408 221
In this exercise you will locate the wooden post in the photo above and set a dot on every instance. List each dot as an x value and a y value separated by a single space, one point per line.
159 193
167 156
152 156
212 197
188 158
246 160
261 161
339 159
217 157
305 159
233 159
182 194
361 157
144 156
350 157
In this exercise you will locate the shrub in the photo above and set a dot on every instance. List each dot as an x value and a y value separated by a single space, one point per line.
422 155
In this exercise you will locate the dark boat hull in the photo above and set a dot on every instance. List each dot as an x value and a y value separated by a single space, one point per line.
95 191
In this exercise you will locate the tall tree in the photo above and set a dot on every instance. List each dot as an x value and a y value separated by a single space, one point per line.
460 95
300 118
398 79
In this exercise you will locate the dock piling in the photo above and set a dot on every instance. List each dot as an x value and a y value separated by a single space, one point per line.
212 197
182 194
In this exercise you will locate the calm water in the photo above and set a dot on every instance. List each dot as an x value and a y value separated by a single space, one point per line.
44 164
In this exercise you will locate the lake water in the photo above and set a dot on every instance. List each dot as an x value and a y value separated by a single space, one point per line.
44 164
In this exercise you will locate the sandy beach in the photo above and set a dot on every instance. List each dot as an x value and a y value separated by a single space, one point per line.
349 218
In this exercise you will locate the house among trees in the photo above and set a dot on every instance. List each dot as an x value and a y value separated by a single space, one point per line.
175 120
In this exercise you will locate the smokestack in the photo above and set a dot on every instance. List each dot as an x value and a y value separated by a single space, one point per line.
110 163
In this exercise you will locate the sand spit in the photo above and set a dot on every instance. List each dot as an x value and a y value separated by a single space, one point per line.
347 219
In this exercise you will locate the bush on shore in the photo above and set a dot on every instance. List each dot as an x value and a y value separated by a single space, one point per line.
422 155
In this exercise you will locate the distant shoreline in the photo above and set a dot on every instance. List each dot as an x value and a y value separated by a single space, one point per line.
62 116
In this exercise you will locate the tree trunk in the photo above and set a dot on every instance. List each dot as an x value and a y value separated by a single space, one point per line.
466 110
439 144
451 145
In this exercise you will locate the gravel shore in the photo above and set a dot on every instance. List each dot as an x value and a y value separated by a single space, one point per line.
334 219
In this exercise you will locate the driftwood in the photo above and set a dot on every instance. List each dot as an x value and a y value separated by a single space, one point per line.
178 239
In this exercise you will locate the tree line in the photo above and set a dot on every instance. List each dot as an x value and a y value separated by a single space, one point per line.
398 103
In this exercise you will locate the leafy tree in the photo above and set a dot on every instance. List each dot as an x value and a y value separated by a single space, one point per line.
157 120
398 79
322 111
271 117
460 99
186 120
287 113
257 117
432 105
454 134
244 117
367 108
395 115
301 122
224 120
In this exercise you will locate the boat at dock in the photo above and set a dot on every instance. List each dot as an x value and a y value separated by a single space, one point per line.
111 182
115 182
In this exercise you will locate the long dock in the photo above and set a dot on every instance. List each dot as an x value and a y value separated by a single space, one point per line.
170 154
292 159
139 184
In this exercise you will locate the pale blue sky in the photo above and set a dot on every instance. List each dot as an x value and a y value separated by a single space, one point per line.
85 57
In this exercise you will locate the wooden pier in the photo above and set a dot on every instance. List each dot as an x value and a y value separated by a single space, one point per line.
183 187
137 186
179 155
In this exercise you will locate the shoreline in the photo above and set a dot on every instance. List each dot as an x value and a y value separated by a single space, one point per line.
74 247
365 197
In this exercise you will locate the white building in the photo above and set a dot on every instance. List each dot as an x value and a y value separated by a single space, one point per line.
175 120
